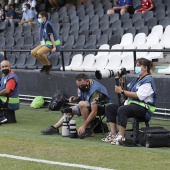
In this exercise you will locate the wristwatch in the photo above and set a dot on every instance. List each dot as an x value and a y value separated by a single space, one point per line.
122 92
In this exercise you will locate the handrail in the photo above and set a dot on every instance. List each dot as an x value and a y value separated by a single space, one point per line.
93 50
29 98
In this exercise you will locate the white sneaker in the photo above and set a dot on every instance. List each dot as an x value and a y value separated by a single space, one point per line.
118 141
109 138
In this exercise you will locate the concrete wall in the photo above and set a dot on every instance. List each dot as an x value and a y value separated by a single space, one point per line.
34 83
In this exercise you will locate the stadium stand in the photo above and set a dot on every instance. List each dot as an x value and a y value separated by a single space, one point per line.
114 59
75 62
89 27
142 54
139 39
105 53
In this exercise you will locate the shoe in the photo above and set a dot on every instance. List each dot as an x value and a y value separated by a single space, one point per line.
118 141
48 68
43 69
3 119
109 138
88 133
50 131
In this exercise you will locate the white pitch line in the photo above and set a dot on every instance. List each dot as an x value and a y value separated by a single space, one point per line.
53 162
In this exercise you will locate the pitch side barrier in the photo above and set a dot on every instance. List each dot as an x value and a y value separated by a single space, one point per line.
162 111
94 50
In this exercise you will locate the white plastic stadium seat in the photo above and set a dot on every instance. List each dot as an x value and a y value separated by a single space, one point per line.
116 53
89 61
155 55
114 58
127 39
114 62
152 39
76 61
142 54
165 40
164 71
100 63
139 39
104 46
167 30
158 29
128 63
124 54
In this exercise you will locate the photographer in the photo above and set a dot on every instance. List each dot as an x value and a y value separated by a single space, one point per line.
141 95
92 96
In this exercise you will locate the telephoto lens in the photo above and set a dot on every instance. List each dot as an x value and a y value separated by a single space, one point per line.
73 130
65 127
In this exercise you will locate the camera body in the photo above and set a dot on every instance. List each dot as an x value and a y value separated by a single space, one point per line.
107 73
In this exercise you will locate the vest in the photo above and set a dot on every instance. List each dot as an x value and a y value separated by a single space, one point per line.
133 87
43 34
96 86
13 100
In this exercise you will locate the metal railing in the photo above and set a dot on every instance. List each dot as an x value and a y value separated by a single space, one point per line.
27 99
94 50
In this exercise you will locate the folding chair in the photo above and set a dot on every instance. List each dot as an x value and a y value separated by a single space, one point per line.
100 115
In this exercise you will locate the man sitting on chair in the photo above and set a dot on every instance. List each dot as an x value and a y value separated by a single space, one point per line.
9 98
92 96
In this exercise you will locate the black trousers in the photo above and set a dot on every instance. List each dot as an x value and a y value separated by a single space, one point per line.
123 113
2 105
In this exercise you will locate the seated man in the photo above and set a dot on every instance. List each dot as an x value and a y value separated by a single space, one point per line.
10 15
9 98
121 6
1 13
92 96
28 17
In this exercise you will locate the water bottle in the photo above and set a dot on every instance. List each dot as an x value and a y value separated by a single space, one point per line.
65 127
73 130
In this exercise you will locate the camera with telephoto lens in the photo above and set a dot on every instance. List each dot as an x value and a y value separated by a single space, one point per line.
66 110
107 73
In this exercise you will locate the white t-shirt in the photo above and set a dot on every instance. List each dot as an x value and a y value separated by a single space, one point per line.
2 12
145 93
16 1
33 5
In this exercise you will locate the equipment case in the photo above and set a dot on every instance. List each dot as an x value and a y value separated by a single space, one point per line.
154 137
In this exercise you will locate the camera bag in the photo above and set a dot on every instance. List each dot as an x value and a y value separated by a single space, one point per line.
154 137
96 125
57 102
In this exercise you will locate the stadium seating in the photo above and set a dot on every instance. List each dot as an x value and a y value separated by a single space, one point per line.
127 39
142 54
155 55
88 26
164 71
89 61
114 58
75 62
100 63
158 29
152 39
100 53
127 53
139 39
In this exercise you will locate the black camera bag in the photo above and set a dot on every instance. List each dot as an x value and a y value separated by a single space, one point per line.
96 126
57 101
154 137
